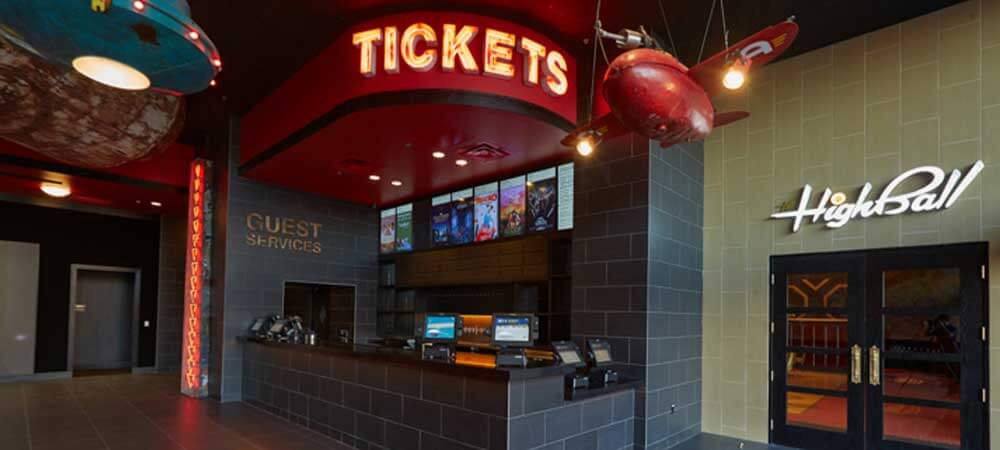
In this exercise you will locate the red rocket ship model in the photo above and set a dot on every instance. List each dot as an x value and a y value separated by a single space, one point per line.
653 94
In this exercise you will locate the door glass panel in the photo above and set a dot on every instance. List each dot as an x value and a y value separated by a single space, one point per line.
923 288
827 331
817 411
817 290
820 371
939 427
936 333
923 379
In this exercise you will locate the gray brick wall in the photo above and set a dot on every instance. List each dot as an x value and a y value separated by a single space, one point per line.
637 271
170 293
541 419
370 404
254 276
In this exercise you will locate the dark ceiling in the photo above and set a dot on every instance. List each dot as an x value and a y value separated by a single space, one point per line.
263 42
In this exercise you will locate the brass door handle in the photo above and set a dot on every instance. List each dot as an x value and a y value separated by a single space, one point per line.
875 366
856 364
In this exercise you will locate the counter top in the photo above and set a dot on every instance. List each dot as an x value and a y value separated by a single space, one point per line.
412 358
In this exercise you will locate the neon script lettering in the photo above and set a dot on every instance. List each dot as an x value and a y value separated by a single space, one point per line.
833 209
420 49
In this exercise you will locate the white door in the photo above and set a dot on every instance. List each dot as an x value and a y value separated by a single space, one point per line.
18 307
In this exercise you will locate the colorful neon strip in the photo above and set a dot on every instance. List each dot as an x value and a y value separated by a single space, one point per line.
193 280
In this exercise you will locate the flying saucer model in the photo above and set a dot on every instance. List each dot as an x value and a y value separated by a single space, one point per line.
126 44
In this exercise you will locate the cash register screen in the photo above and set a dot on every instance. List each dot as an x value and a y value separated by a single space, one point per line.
512 329
278 325
569 356
602 355
440 328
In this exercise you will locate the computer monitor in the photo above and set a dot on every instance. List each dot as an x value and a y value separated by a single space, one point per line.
599 351
511 330
441 328
567 352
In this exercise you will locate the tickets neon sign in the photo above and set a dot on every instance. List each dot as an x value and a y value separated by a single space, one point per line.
420 47
833 209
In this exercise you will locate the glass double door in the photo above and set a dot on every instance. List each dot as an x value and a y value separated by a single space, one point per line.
879 349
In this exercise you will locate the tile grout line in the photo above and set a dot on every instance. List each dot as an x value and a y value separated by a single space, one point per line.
148 419
27 421
76 401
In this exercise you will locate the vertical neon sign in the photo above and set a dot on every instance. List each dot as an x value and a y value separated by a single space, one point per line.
194 364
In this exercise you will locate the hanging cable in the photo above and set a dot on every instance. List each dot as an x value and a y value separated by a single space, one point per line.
593 64
725 29
705 35
666 23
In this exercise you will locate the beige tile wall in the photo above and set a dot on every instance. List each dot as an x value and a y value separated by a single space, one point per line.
923 92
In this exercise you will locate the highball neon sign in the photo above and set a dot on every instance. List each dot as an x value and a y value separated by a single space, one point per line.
420 47
835 211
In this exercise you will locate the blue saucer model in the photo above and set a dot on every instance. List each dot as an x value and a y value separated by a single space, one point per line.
157 38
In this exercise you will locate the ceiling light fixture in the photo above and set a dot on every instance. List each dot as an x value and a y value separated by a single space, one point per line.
156 204
111 73
461 162
438 155
396 183
374 177
139 5
58 190
193 35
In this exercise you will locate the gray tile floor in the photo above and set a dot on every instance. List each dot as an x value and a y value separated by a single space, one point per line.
126 412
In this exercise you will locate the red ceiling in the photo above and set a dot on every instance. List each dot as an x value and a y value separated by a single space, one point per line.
130 187
396 143
390 124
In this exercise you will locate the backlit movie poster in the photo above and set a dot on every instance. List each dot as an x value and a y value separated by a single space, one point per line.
512 207
541 206
487 227
440 220
387 231
404 228
461 217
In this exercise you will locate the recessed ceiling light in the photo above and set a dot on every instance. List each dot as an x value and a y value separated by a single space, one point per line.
111 73
156 204
374 177
396 183
438 155
56 190
461 162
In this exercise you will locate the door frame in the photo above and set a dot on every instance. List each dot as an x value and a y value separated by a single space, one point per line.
354 325
74 270
979 248
853 265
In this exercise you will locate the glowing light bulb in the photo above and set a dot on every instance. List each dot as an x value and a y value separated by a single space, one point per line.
396 183
438 155
461 162
734 79
585 146
193 35
374 177
139 5
56 190
156 204
111 73
736 74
